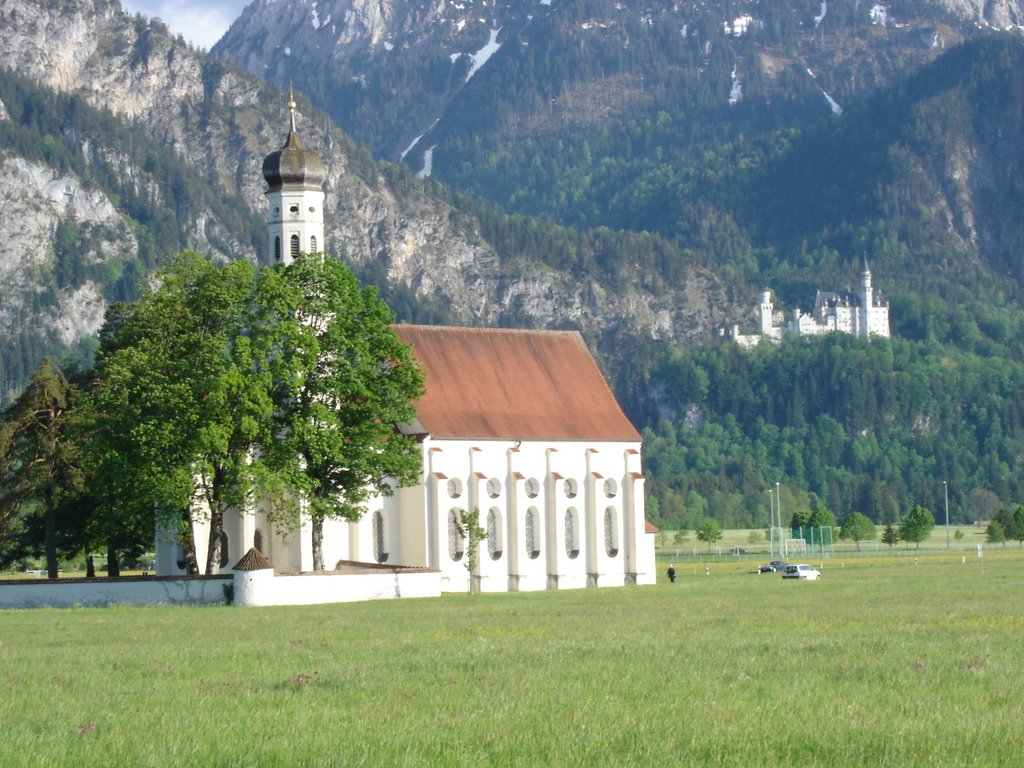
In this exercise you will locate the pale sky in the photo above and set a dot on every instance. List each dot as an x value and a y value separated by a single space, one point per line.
201 22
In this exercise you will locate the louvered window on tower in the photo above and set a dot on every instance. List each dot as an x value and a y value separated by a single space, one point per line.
312 244
295 246
277 249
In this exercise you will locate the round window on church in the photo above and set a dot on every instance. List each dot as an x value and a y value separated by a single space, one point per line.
294 209
572 488
610 488
532 487
494 488
454 487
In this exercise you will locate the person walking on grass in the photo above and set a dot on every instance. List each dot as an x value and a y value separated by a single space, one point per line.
671 573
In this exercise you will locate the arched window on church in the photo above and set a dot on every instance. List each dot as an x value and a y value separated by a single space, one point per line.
312 244
572 533
295 247
456 544
495 543
531 537
277 248
257 541
611 532
380 545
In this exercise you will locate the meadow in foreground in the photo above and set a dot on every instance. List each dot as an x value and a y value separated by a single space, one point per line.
883 662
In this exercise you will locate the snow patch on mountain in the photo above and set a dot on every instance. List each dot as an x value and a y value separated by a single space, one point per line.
481 57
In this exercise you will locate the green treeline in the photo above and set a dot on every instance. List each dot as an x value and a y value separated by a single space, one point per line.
840 423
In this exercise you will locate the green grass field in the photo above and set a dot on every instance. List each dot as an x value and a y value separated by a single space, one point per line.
882 663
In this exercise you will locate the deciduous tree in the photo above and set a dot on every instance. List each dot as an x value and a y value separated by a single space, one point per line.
343 382
709 531
994 533
858 528
917 525
181 401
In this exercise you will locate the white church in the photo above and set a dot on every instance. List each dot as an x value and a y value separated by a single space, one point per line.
862 313
519 425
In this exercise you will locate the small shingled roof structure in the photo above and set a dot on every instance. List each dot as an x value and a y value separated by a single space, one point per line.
485 383
252 561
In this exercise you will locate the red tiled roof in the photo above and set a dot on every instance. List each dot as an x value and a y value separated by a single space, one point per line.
513 384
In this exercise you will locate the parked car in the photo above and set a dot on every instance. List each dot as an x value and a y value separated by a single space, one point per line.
772 567
800 571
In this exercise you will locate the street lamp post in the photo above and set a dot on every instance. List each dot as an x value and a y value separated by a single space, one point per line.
945 492
778 504
771 524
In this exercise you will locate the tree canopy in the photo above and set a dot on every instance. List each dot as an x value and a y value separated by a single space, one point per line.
710 531
917 525
215 388
342 383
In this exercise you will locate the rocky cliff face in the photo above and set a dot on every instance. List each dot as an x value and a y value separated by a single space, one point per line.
222 123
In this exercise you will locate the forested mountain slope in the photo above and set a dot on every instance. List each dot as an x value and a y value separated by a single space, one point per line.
122 145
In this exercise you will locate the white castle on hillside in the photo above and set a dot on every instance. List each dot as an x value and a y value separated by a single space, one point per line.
861 313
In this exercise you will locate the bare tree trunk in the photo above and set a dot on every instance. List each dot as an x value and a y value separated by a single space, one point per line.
187 542
318 543
50 533
90 567
213 548
113 562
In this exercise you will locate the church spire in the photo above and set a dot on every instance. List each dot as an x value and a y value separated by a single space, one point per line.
295 196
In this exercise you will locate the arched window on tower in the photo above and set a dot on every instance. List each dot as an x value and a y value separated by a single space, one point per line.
295 247
312 244
380 544
277 248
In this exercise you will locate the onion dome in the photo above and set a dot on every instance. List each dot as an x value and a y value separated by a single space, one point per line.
292 166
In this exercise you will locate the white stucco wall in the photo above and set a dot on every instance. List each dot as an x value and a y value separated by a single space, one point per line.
512 479
264 588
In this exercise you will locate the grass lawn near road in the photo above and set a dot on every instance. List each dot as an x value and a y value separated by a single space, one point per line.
881 663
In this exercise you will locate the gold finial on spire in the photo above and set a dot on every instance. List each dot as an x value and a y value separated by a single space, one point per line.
291 103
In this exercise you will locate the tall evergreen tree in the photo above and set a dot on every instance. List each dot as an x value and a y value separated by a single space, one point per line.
40 462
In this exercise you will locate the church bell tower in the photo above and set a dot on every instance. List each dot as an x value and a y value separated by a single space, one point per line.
295 198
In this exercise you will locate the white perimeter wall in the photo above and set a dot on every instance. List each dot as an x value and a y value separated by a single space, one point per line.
197 590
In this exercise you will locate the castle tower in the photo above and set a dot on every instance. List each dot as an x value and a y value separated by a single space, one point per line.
863 327
766 313
295 198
